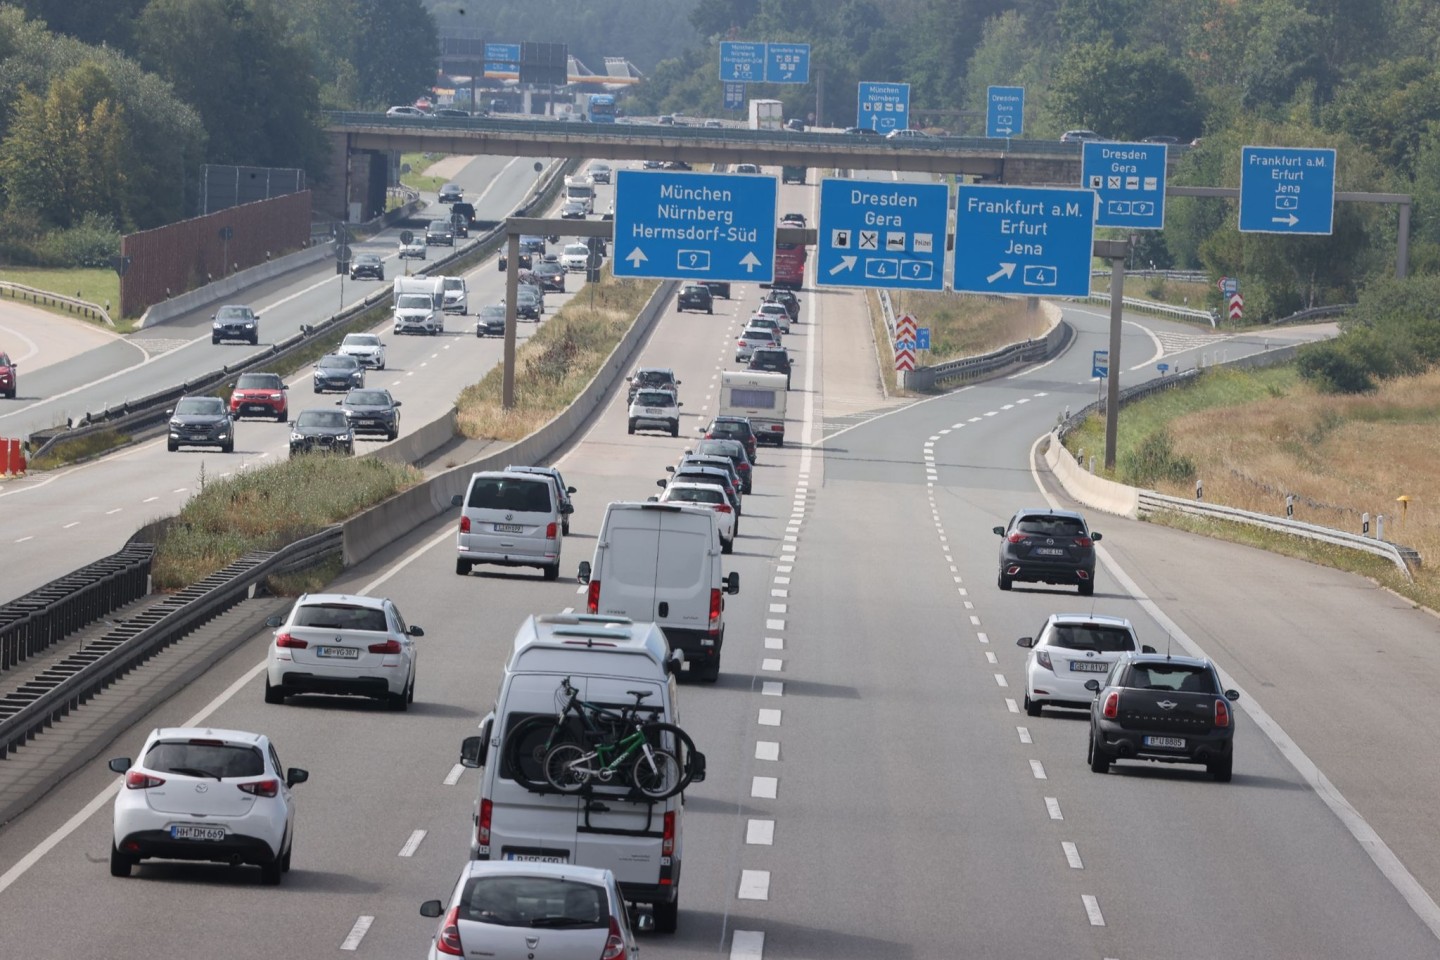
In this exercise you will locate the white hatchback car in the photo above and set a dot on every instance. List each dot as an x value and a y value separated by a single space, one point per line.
203 794
655 410
346 644
775 311
368 348
1071 649
704 495
575 258
509 908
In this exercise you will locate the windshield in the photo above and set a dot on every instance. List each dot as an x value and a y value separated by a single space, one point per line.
414 301
338 363
368 398
367 258
361 340
440 225
233 313
200 406
454 283
577 249
321 418
258 381
493 310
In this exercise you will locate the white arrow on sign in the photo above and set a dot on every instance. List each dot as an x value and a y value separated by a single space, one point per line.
636 258
846 263
1003 130
1007 270
1290 220
750 262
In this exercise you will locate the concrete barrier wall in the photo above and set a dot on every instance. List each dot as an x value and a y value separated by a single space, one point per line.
417 444
379 527
1095 492
235 283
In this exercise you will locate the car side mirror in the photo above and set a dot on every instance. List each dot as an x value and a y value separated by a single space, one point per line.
456 500
1146 648
472 752
431 908
661 484
644 921
1232 695
1097 537
1025 642
999 531
678 404
119 764
669 469
675 662
569 489
170 411
415 631
296 775
274 621
1092 685
583 574
732 582
399 403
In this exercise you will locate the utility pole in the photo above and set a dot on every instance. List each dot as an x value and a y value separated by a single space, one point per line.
1116 251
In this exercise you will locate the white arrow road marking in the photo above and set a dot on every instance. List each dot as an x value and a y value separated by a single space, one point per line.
750 262
1290 220
846 263
1007 270
636 257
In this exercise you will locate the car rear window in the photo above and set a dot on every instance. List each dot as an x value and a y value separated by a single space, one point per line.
340 616
534 902
710 495
653 398
205 758
514 494
1165 675
1048 526
1091 637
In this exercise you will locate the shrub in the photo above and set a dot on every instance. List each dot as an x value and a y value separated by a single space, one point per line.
1334 368
90 243
1155 460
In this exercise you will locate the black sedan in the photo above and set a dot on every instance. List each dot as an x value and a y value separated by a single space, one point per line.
201 422
572 210
367 265
695 296
490 321
1047 546
321 431
372 411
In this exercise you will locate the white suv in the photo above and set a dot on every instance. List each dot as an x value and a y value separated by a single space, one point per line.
339 643
368 348
655 410
752 337
1070 649
203 794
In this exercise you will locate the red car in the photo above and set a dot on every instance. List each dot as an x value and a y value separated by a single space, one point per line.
7 376
260 394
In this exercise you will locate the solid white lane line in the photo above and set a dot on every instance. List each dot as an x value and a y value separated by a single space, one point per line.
357 933
1038 769
754 885
772 688
1052 807
764 788
774 643
769 718
1011 705
771 663
412 844
1024 734
760 832
1000 680
1072 855
767 750
1092 910
453 777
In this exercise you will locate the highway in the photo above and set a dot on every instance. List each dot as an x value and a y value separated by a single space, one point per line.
874 788
54 522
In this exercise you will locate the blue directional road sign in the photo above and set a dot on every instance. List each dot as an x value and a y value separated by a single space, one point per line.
787 63
502 53
1100 364
743 62
734 95
1005 112
922 338
1034 241
884 107
876 233
1287 190
695 226
1129 178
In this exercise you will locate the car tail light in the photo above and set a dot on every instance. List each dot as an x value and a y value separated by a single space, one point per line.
1084 542
592 597
723 507
615 944
285 640
447 941
1017 538
135 780
482 828
743 466
261 788
389 646
717 603
1042 657
464 524
1222 713
550 531
667 842
1112 705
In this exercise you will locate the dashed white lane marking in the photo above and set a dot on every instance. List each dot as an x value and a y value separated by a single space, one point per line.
754 885
760 832
982 638
1001 681
774 624
357 933
1011 705
791 538
23 539
412 844
453 777
772 688
1038 769
774 643
72 523
149 499
782 579
771 663
777 608
1072 855
1024 734
181 490
769 718
990 657
765 788
1052 807
974 620
116 510
1092 910
784 569
767 750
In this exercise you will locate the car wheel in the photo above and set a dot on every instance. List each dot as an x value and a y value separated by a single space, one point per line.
120 863
273 694
214 340
711 673
381 366
1004 582
271 872
1220 770
171 446
667 915
710 310
565 527
228 447
462 567
281 416
318 390
552 572
675 429
285 860
727 546
1087 589
632 425
1032 708
399 702
410 690
1099 757
393 434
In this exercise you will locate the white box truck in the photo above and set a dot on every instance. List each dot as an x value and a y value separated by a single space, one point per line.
581 188
767 115
758 396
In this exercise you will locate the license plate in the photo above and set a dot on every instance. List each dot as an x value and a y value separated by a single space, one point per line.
181 831
338 653
509 528
1176 743
256 408
1089 666
654 411
1050 551
538 857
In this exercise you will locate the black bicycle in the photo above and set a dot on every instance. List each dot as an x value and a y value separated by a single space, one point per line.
586 744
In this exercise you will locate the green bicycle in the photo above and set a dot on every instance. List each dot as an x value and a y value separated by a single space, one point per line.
605 747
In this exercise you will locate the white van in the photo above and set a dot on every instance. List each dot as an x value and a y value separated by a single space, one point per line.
418 305
455 295
511 519
759 397
608 660
661 562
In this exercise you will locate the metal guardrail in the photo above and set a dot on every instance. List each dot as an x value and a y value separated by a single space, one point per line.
47 615
1151 306
1316 313
19 291
1179 276
1151 502
74 680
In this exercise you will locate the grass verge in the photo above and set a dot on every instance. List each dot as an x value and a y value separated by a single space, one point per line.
416 178
97 285
310 580
81 448
268 507
553 366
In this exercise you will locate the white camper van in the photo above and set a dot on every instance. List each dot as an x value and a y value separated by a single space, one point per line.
581 188
612 663
760 397
418 304
661 562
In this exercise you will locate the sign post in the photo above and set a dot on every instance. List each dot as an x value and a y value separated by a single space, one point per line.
695 226
1287 190
1005 112
1034 241
882 234
1129 179
883 107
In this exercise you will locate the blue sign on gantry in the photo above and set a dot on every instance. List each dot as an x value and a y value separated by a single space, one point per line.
787 63
1129 178
1034 241
883 107
883 234
695 226
742 61
1005 112
502 53
734 95
1287 190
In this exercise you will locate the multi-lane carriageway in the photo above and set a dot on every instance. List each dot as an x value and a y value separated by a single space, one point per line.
874 788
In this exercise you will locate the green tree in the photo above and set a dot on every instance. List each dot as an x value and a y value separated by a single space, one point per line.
1008 56
94 22
1388 109
396 42
1122 94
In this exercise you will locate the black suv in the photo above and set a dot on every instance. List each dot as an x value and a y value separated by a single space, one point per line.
490 321
201 422
372 411
440 233
235 322
321 430
735 450
772 360
734 428
551 276
695 296
367 265
1047 546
